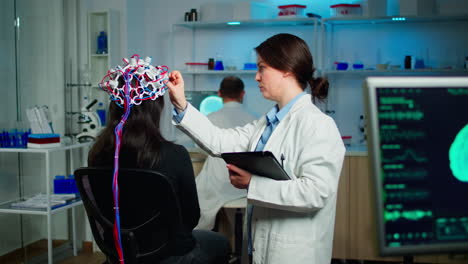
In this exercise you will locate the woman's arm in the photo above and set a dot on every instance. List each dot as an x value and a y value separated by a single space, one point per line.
212 139
177 91
215 140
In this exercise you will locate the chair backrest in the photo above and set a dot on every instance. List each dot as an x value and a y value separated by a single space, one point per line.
149 212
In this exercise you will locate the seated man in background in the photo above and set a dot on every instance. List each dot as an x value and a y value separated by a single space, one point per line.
213 185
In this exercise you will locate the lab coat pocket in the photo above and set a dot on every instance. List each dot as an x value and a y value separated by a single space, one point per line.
290 249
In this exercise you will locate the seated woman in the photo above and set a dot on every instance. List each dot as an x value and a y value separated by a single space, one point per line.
143 146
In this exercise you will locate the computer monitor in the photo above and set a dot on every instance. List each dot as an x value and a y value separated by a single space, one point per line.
205 101
418 145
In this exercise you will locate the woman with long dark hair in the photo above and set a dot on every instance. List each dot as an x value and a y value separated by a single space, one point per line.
142 145
289 221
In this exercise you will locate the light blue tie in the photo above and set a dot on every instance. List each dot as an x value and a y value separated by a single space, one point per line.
266 134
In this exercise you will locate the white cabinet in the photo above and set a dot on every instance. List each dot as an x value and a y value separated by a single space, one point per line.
98 62
108 22
6 206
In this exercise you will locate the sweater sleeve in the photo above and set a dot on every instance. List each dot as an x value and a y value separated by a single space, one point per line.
188 199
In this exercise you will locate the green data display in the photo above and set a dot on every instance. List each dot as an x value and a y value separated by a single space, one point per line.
424 161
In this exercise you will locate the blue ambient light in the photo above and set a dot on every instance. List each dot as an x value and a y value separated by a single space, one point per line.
211 104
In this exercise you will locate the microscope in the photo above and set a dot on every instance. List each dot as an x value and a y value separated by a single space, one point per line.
90 123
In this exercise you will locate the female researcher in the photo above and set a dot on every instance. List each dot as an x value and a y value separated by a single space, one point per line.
287 221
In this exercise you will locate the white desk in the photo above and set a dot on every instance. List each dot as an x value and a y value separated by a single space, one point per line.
5 207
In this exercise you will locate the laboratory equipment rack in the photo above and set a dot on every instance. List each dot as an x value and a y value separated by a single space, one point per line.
5 207
224 27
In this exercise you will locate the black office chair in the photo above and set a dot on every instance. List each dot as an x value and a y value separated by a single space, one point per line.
149 211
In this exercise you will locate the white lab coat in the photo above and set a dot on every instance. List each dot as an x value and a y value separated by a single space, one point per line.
293 221
213 186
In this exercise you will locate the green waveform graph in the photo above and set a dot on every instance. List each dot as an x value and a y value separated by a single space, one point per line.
397 100
414 215
395 135
402 115
457 91
458 155
406 156
407 175
397 196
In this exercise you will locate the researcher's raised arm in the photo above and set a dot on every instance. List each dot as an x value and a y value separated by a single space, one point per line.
176 90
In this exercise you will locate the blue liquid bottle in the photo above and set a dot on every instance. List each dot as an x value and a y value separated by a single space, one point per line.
102 43
101 111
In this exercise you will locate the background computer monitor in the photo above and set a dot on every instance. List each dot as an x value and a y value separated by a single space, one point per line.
205 101
418 145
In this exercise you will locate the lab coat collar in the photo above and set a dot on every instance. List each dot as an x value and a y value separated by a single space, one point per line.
276 115
302 100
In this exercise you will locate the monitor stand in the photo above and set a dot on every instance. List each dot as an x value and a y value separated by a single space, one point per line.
408 260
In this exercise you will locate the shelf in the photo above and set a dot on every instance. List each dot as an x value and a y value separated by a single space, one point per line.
279 22
7 208
396 72
98 63
392 19
45 150
100 55
212 72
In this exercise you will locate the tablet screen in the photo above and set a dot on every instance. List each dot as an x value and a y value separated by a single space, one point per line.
261 163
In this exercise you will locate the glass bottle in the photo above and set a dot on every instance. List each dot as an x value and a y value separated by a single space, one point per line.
101 111
193 15
211 64
102 43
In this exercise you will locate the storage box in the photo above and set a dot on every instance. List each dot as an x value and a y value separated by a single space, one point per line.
341 10
347 140
216 12
245 10
64 184
43 140
291 10
374 8
417 7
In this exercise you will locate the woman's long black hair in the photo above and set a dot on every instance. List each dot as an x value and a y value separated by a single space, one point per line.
141 138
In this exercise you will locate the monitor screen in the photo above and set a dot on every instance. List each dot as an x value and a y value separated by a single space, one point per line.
205 101
418 146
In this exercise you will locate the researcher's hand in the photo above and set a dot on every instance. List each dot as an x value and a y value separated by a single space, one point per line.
176 90
239 178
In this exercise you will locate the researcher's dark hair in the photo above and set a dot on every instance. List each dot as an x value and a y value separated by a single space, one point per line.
289 53
231 87
141 135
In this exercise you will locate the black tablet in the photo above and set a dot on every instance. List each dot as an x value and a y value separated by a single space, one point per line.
262 163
